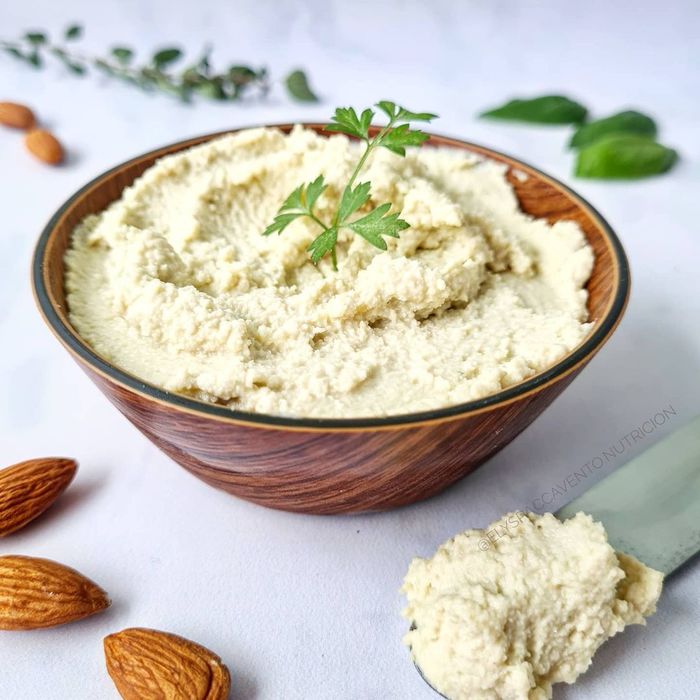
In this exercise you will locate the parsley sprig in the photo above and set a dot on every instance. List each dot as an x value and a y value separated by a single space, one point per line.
396 136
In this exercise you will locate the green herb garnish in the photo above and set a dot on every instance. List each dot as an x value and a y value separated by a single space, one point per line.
298 87
396 136
624 156
620 146
627 122
550 109
159 73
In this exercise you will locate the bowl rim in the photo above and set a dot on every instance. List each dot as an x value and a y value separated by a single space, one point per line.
569 363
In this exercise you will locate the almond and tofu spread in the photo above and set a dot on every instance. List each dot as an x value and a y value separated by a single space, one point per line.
175 284
506 612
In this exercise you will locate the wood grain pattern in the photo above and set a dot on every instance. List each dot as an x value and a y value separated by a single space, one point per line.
326 467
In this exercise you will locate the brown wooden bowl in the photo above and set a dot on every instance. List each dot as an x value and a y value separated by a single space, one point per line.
335 465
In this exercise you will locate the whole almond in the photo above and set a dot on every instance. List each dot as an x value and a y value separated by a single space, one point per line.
16 115
149 665
27 489
38 593
44 145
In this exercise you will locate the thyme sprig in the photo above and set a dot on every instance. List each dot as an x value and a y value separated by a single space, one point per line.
160 73
377 223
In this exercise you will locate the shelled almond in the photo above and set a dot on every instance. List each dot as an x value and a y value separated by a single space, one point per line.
146 664
16 116
27 489
43 145
37 593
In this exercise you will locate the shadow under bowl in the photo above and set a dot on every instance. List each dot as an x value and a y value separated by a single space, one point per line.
335 465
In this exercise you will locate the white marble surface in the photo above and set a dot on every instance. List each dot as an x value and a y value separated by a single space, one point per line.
307 607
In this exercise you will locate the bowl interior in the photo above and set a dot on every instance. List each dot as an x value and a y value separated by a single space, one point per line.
539 195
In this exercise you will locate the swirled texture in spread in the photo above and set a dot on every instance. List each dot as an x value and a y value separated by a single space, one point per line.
175 284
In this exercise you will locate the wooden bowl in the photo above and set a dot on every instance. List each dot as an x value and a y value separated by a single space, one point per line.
335 465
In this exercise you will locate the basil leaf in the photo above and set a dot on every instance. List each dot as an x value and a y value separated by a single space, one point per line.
550 109
628 122
625 157
298 87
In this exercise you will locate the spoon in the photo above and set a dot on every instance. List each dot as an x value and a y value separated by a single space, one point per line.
428 683
650 506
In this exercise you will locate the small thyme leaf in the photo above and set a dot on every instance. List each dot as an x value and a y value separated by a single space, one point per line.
211 88
377 223
34 59
35 38
298 87
123 54
72 65
165 57
14 51
241 75
74 31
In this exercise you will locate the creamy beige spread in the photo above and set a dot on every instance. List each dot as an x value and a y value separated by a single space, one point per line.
504 613
175 284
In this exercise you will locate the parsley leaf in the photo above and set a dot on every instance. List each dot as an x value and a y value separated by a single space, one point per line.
397 139
300 203
377 223
281 221
352 200
347 121
313 191
323 244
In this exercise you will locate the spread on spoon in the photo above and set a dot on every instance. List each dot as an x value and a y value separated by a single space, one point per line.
175 284
506 612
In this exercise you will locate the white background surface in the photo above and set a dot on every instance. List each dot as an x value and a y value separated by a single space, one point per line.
307 607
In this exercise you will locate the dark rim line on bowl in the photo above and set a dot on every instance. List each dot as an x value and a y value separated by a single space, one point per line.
74 343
